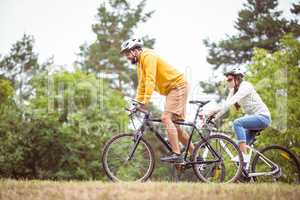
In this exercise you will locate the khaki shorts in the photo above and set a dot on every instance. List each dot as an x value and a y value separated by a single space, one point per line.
176 101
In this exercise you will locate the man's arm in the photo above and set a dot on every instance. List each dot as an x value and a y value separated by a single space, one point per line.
150 65
140 92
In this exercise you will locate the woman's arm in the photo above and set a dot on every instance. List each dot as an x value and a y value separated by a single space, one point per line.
244 90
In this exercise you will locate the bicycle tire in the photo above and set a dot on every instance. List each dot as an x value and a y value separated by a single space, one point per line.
292 176
228 160
114 174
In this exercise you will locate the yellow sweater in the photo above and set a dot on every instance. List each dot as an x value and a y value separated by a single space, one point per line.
155 74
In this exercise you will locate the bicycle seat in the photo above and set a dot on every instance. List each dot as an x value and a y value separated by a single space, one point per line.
198 102
256 133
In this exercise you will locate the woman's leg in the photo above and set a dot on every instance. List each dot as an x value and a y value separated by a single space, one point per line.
249 136
251 122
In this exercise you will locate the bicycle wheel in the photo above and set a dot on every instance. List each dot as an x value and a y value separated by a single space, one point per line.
284 158
225 170
115 159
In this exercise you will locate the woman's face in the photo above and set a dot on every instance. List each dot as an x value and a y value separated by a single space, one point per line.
230 81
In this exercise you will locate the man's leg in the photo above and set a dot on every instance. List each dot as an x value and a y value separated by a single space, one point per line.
175 107
184 138
171 130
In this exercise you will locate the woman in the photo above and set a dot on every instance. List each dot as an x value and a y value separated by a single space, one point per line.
242 94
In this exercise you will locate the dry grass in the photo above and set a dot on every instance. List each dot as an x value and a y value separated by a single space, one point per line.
92 190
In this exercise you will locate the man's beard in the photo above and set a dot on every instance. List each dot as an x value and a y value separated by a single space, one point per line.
134 60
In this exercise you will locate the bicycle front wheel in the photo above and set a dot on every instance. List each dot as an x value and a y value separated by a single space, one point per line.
225 170
118 166
287 162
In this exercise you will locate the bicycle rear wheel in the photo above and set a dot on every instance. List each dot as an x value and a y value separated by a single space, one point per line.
115 159
225 170
284 158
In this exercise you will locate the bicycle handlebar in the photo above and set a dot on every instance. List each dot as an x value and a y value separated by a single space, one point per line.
209 120
137 108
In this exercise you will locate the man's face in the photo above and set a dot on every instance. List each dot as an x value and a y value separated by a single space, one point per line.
230 81
132 56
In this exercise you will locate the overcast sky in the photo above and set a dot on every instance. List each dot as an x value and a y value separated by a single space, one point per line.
61 26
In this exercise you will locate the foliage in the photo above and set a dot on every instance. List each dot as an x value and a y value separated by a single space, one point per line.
6 90
260 25
116 20
20 65
277 79
65 126
54 125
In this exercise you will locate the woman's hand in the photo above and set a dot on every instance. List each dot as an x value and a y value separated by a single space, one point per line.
212 113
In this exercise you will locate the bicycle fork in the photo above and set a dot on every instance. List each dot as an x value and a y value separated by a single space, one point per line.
136 140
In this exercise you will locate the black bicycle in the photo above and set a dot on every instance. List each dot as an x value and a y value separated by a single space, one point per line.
129 157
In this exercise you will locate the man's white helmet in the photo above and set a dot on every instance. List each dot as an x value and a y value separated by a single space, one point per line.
131 43
236 71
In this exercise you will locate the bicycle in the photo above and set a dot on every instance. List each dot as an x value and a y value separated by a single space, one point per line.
130 157
272 163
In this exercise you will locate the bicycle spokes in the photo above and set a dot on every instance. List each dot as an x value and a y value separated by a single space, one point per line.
128 161
276 163
217 152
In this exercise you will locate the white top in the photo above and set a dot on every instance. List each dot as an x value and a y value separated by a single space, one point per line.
248 98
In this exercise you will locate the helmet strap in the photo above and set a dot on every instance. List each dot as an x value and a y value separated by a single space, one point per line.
134 60
136 53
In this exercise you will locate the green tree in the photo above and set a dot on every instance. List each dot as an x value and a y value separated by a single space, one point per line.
20 65
277 79
117 20
6 90
260 25
66 124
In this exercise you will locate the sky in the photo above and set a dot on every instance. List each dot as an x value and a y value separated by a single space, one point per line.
179 27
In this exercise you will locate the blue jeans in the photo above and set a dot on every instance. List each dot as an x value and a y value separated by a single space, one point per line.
242 126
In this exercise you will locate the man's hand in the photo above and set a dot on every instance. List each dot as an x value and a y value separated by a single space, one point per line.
143 107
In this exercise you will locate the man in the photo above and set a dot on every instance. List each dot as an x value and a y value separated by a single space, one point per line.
155 74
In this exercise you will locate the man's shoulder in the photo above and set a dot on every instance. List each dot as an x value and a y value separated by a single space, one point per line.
147 52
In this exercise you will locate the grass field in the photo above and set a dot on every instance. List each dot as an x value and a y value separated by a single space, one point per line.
90 190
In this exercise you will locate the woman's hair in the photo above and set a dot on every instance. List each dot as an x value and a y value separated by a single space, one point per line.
237 79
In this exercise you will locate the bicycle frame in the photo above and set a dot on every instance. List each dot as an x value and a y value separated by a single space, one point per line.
147 122
267 161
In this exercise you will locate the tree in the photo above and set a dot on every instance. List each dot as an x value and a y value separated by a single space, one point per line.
277 79
260 25
116 21
20 65
6 90
68 121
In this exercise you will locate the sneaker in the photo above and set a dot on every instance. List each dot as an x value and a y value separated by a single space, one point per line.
173 158
246 158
